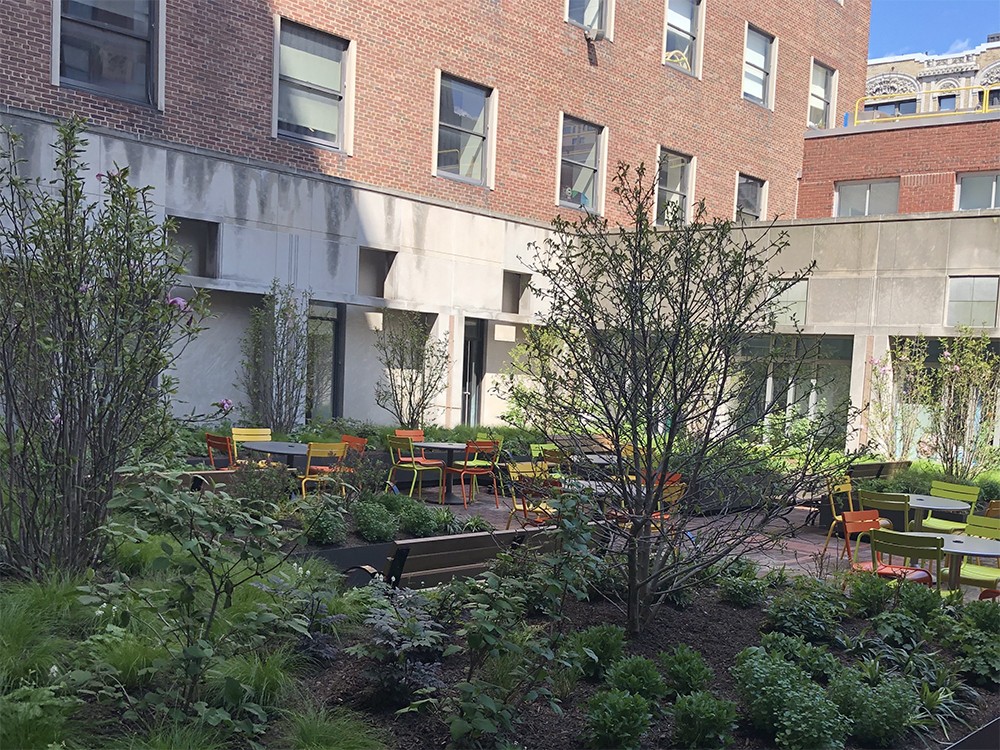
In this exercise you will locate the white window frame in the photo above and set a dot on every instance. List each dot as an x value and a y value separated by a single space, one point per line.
602 161
348 66
699 39
868 196
490 142
769 72
763 198
158 56
831 101
947 306
607 21
688 186
994 194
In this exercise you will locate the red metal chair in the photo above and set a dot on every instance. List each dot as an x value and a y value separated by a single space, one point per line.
223 445
357 444
476 452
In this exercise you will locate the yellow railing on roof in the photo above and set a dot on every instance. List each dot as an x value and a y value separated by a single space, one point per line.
930 96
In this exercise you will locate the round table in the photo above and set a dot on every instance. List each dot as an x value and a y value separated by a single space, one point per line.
958 546
920 504
291 451
450 449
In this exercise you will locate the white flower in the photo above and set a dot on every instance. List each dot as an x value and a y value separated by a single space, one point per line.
53 671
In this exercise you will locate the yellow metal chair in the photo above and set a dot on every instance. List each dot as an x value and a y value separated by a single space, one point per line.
403 457
843 488
323 463
249 434
530 487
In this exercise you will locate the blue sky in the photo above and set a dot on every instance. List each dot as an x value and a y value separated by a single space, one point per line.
937 27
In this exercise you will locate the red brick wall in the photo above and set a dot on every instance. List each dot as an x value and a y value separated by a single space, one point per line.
926 159
219 84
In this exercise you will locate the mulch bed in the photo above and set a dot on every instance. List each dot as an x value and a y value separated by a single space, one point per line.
718 630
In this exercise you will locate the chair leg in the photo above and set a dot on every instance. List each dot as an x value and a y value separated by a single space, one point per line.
441 486
829 535
496 494
304 488
413 483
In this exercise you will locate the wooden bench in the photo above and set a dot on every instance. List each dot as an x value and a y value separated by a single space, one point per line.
877 469
421 563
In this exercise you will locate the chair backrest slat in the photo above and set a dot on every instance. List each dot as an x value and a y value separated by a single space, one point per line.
953 491
983 526
400 448
906 545
222 444
883 501
355 443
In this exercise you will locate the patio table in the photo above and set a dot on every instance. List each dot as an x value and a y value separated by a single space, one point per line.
274 447
959 546
920 504
450 449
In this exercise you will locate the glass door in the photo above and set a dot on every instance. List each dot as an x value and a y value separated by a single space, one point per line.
324 365
473 365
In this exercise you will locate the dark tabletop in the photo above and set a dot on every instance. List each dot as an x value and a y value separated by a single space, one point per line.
274 446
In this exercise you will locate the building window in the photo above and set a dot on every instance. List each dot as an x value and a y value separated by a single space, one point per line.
198 242
892 109
374 267
790 304
757 60
590 14
946 103
749 198
311 85
994 99
462 130
683 27
820 96
868 198
108 47
978 191
515 292
580 168
672 186
972 301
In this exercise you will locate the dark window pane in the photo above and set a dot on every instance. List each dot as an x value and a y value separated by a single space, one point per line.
109 61
132 16
579 142
748 196
463 105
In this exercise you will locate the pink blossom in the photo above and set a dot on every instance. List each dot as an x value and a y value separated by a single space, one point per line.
945 354
225 405
955 368
179 302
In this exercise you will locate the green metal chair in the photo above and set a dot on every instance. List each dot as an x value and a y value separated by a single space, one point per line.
953 492
975 574
403 457
886 502
892 543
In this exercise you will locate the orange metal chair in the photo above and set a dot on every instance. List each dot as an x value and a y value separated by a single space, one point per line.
223 445
357 444
329 457
403 457
476 452
530 487
856 523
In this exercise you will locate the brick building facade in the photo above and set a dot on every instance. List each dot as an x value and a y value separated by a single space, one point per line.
216 104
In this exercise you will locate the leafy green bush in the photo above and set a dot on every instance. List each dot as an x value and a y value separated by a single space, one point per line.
920 601
916 478
703 721
810 613
326 526
476 523
391 501
980 655
260 484
417 520
685 670
983 616
898 628
639 676
870 594
617 719
445 522
816 661
596 649
783 702
881 714
743 592
989 484
34 717
374 522
263 678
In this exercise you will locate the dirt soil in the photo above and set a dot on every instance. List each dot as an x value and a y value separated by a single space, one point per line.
718 630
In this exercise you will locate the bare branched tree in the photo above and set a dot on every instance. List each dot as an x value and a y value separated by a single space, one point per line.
662 341
415 366
87 328
273 368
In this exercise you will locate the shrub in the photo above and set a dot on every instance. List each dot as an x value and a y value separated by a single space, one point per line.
326 526
899 629
983 616
261 483
34 717
417 520
639 676
816 661
989 483
741 567
880 715
810 613
391 501
783 702
374 522
685 671
703 721
475 524
617 719
264 678
445 522
596 648
870 594
920 601
743 592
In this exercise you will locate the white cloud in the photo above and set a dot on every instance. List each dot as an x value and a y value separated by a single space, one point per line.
959 45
